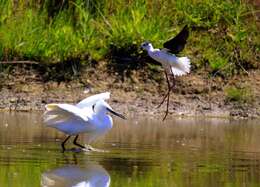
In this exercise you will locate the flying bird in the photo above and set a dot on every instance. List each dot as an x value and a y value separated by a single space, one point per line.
172 64
88 116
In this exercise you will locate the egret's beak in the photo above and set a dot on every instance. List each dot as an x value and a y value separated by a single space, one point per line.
116 114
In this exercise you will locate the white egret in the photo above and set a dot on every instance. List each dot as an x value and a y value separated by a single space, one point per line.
173 65
88 116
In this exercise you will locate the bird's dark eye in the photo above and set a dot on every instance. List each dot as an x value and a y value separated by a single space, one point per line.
93 106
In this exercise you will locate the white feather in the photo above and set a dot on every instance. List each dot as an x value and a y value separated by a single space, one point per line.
182 67
172 64
57 113
80 118
89 101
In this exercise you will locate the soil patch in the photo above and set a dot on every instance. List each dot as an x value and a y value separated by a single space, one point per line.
24 87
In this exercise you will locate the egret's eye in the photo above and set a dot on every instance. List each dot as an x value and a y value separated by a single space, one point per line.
93 106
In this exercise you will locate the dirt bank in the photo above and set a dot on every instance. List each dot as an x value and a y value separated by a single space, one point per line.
24 87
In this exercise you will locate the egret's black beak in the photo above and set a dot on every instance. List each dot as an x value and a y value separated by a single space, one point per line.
116 114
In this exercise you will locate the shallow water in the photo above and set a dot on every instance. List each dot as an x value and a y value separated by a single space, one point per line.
145 152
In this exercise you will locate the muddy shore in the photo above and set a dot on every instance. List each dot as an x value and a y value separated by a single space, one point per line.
25 88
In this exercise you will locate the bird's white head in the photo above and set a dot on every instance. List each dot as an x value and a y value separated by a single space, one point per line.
102 107
147 46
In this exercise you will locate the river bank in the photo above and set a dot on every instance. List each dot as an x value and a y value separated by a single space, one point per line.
25 88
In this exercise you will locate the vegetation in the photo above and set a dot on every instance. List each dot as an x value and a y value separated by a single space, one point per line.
241 95
224 36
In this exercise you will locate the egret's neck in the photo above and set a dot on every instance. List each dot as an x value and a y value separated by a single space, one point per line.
101 114
105 121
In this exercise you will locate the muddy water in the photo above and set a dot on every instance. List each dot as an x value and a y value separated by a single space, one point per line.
145 152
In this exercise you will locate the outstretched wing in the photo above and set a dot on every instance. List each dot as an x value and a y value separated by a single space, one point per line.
56 113
88 102
176 44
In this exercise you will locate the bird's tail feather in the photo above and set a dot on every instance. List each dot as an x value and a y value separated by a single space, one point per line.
183 66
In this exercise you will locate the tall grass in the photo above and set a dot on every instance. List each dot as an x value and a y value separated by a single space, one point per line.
224 35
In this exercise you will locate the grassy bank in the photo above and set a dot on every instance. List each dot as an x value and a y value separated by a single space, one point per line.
224 33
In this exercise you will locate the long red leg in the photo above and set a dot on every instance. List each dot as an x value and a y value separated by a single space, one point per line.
168 96
167 108
169 87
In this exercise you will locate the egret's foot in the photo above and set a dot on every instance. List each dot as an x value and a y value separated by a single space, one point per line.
90 148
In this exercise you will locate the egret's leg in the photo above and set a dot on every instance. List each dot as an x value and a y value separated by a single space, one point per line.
63 143
76 143
169 89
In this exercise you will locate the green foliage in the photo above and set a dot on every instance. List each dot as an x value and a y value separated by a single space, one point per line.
28 35
216 62
224 32
242 95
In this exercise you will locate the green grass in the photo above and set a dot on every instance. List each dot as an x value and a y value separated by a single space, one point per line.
241 95
224 35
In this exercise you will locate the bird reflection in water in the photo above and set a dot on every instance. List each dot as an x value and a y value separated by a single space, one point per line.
91 175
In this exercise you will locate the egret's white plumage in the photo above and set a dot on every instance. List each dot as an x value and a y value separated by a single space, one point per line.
88 116
89 101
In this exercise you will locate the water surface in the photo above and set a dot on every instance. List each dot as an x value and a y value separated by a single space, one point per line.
144 152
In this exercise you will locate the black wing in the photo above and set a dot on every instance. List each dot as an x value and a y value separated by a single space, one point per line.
176 44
